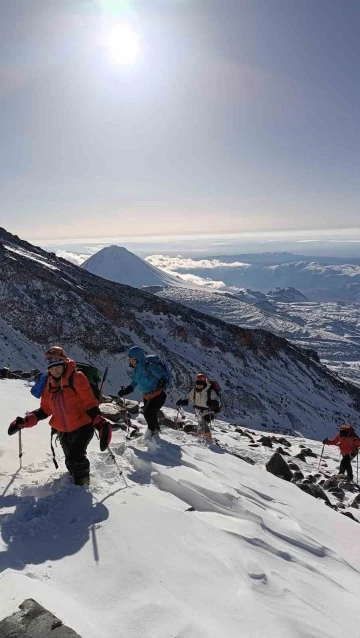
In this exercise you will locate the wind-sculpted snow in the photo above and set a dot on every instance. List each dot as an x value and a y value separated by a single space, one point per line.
190 542
267 383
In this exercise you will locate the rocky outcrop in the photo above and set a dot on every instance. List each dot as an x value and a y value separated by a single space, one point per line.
32 621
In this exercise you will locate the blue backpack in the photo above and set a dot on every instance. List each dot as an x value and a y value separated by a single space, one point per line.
39 386
154 360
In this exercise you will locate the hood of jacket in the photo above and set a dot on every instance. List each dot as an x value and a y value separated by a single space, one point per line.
137 353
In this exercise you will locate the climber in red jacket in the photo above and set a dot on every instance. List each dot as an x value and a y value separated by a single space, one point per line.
348 443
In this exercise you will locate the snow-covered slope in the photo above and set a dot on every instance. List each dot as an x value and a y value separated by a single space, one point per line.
332 329
266 381
119 264
126 558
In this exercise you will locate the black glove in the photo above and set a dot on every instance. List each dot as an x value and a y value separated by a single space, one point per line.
182 402
16 425
162 383
325 441
125 390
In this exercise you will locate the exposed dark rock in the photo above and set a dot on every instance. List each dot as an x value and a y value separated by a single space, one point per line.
254 445
333 482
284 442
247 459
169 423
308 452
350 515
310 478
348 486
34 621
314 490
355 502
278 466
265 441
281 451
339 493
244 433
301 456
293 466
298 476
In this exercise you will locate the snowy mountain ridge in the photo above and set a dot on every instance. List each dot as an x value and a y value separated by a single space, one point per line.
120 265
267 382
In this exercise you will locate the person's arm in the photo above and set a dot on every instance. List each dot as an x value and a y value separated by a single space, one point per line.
334 441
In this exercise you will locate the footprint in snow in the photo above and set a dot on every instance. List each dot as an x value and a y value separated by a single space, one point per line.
255 572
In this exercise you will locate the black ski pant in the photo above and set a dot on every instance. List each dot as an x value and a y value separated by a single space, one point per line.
151 408
345 466
74 445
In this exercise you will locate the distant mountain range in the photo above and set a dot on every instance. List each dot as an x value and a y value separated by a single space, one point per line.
267 382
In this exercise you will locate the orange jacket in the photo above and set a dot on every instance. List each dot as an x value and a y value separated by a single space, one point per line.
347 445
68 405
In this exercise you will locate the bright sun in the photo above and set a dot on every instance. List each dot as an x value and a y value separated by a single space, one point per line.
123 44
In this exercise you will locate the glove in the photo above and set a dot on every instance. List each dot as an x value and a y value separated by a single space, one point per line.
22 422
212 404
182 402
325 441
125 390
105 431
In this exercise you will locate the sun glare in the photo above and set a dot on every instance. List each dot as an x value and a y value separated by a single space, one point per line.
123 44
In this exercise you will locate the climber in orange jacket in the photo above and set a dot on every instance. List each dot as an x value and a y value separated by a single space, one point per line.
74 412
348 443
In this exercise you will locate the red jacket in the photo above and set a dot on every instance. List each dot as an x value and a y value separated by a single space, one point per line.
67 405
347 445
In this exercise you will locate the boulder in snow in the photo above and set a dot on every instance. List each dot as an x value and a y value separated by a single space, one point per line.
278 466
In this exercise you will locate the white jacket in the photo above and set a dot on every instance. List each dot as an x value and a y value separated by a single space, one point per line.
200 399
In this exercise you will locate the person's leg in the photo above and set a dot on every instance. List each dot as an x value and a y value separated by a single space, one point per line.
348 466
206 427
151 409
75 445
64 439
342 467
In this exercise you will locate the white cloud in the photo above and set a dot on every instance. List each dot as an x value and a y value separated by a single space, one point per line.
171 264
75 258
201 281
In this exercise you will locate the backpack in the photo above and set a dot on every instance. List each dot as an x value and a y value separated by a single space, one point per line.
38 388
215 387
92 374
154 359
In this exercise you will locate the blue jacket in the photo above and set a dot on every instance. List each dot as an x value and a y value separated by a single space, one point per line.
146 375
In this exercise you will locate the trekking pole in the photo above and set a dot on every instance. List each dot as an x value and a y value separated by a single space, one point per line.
113 458
321 455
357 467
20 449
177 419
104 379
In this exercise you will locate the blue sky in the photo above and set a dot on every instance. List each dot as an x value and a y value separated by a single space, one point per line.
237 116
